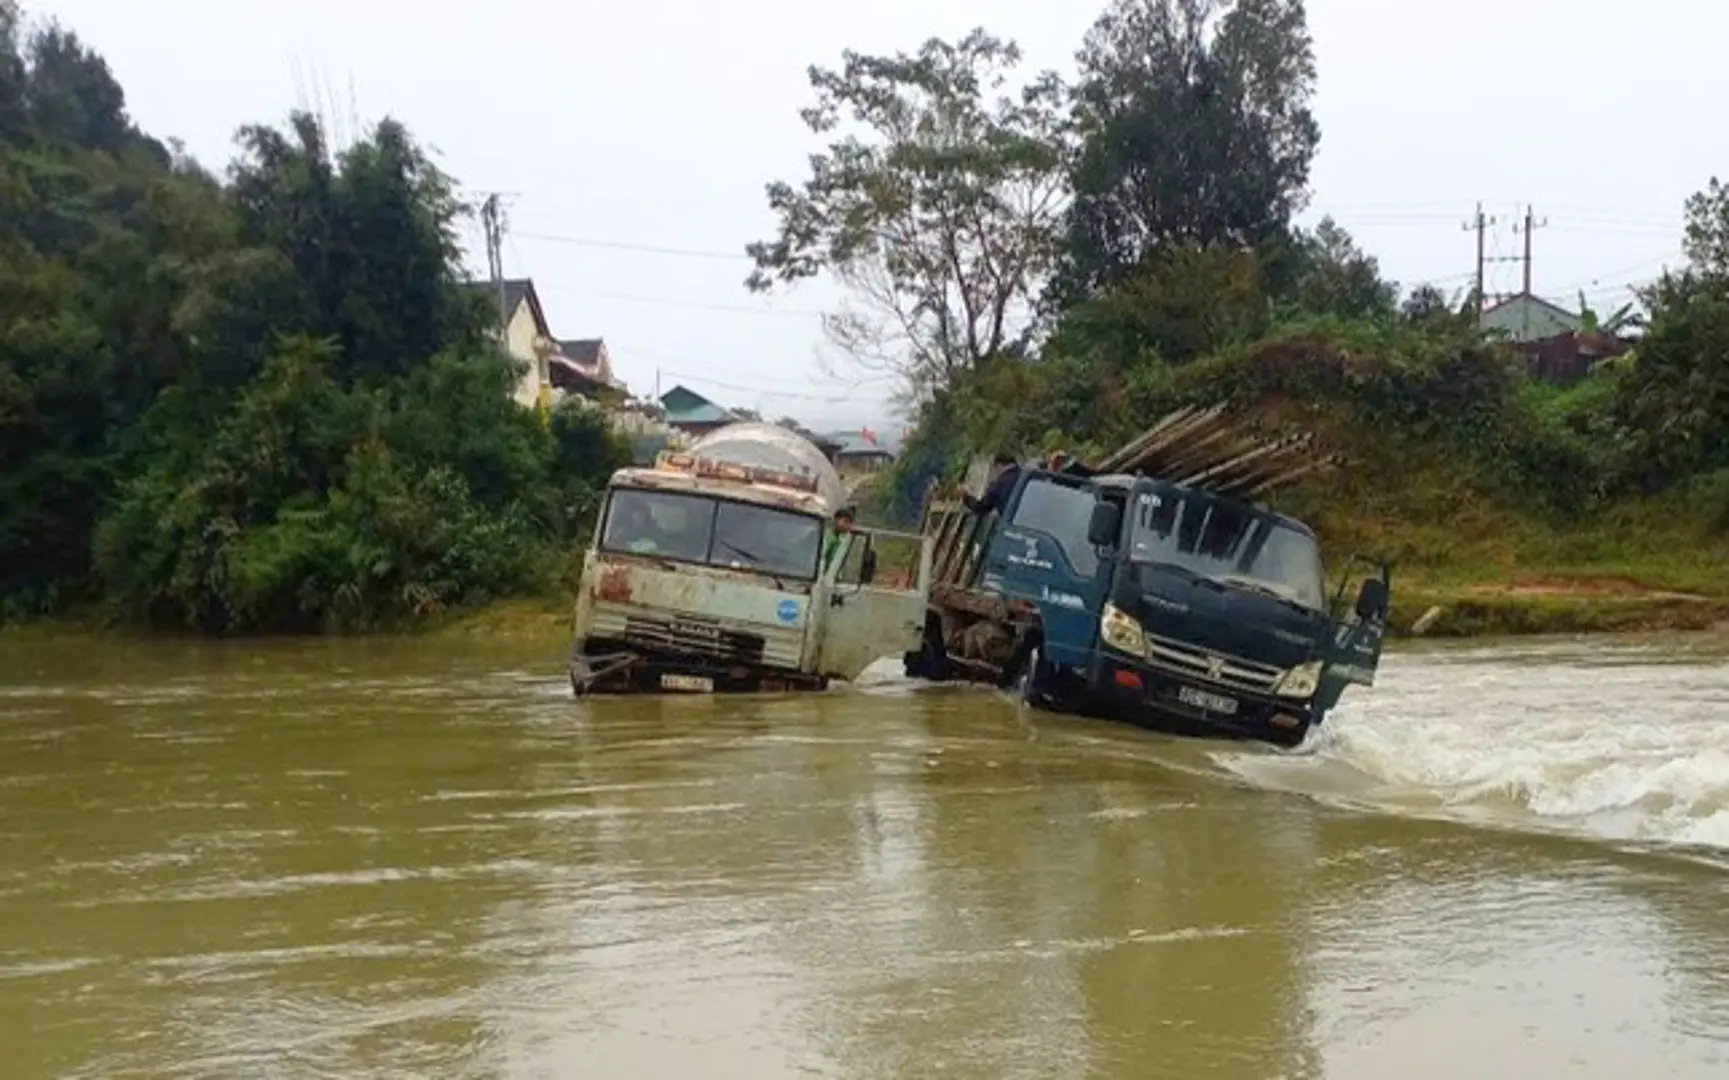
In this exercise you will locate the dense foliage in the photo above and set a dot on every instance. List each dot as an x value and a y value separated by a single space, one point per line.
1177 273
261 403
264 401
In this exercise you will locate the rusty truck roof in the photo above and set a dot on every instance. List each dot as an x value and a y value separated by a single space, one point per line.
765 494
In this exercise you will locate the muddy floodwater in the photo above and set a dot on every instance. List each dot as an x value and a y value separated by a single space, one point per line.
420 859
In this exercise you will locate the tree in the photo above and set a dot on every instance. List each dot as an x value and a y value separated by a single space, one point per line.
14 78
1428 308
1620 320
1335 277
937 208
363 244
1675 398
1195 130
1706 237
1186 304
74 99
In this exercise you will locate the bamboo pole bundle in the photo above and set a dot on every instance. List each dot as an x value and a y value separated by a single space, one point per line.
1209 448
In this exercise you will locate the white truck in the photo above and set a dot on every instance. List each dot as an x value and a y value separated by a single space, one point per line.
719 569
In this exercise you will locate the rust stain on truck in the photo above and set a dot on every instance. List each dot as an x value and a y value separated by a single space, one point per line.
614 584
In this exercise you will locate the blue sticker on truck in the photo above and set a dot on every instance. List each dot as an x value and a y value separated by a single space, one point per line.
788 610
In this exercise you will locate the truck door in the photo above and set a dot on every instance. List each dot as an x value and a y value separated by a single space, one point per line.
878 590
1040 553
1359 630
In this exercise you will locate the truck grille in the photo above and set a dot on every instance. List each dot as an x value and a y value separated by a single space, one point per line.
1233 671
699 637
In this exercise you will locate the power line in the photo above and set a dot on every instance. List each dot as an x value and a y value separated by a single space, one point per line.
1446 279
1383 213
846 390
786 395
1612 275
743 309
622 245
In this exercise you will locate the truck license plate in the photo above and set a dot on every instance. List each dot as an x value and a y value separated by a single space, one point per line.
695 684
1201 699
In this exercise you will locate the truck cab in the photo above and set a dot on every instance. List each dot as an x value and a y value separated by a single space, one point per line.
711 575
1174 607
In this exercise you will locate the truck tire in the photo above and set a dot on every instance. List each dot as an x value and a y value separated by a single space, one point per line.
931 660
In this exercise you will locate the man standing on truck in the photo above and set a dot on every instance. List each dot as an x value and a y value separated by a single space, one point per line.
1005 470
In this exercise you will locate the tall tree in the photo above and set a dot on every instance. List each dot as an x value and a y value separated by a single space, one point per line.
1428 307
938 206
1195 130
1706 238
74 98
14 81
364 243
1676 396
1336 277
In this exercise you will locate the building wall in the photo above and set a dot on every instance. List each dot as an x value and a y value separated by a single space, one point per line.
519 338
861 464
1544 322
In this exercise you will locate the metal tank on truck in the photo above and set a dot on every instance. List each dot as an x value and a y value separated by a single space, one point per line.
721 568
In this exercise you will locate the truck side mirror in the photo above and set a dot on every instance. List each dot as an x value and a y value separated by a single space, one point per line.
867 567
1102 527
1372 599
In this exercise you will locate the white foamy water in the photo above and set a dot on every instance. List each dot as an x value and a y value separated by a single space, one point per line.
1619 742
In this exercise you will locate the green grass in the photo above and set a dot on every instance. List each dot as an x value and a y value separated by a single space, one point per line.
1495 567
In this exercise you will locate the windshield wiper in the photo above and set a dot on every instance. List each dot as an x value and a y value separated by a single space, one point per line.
755 560
730 546
1195 577
1251 585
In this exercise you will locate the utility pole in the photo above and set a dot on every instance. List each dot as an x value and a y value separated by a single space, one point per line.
1531 225
491 220
1481 224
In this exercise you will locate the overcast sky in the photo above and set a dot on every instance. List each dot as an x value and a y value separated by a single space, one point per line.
657 122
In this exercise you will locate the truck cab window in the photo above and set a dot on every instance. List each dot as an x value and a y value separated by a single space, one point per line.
1227 543
660 523
721 533
751 537
1062 512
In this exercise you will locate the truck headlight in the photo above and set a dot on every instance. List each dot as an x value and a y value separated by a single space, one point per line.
1301 681
1120 631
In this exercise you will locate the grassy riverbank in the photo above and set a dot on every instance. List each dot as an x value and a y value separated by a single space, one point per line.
1496 564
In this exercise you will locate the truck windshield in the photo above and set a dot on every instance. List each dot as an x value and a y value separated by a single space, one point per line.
1228 543
712 532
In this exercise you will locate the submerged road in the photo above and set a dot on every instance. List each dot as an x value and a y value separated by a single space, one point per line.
407 858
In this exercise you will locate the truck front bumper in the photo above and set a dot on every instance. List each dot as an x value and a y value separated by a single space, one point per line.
606 667
1131 690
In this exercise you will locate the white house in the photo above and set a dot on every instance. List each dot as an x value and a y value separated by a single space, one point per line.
527 337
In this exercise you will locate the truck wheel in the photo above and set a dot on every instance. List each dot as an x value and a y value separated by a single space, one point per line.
931 660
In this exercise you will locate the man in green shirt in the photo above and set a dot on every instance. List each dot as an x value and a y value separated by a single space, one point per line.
843 522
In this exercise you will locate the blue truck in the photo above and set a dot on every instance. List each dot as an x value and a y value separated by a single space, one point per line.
1170 604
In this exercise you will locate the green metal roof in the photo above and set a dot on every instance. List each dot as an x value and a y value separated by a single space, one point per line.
684 406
